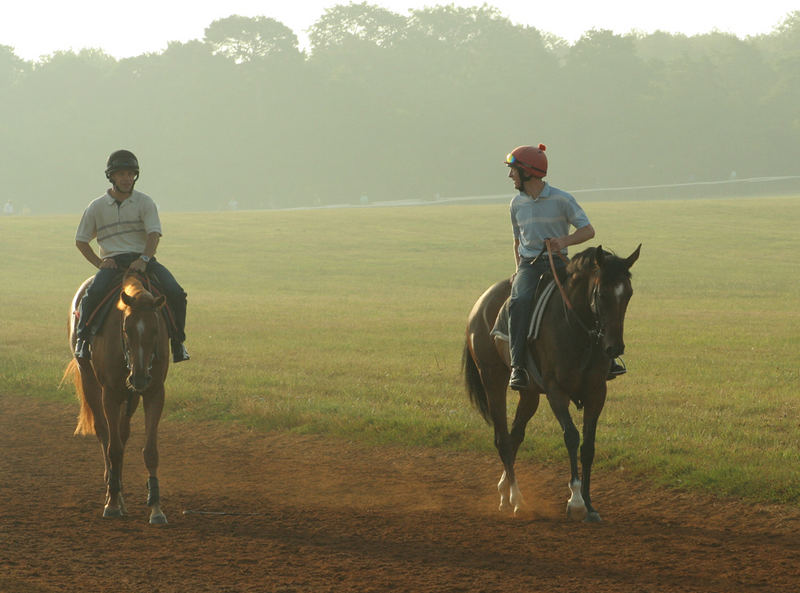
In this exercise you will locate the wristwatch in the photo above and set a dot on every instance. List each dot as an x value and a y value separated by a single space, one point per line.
145 258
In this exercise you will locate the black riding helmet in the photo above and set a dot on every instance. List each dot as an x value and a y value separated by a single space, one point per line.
121 159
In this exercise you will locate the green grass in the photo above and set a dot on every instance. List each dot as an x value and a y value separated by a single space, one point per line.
351 322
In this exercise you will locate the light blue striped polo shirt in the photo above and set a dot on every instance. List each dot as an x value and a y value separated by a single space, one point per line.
549 215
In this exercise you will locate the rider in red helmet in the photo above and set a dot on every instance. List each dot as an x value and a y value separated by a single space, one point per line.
540 211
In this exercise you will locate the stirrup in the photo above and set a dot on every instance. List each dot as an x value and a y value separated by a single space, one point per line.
616 369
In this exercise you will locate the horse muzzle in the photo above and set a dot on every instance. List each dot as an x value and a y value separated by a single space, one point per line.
138 382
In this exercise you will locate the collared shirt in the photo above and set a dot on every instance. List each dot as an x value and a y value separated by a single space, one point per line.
119 227
547 216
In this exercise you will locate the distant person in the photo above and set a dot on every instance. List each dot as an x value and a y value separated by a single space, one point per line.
126 225
540 211
8 209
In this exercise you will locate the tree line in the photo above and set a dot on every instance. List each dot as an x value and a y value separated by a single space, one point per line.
384 106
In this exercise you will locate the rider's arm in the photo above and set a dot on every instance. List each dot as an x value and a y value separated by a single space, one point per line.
87 252
516 252
151 244
138 265
579 236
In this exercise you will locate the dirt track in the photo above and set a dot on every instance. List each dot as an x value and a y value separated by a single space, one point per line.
322 515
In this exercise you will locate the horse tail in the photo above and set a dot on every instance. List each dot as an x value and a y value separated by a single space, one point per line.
473 383
86 416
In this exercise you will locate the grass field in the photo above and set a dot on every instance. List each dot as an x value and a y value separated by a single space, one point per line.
351 322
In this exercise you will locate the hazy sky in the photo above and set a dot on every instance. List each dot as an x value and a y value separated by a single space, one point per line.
121 28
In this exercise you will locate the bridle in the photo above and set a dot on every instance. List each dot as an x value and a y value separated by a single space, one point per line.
596 333
126 351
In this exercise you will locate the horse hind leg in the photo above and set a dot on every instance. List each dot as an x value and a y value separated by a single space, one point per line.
495 393
526 408
510 494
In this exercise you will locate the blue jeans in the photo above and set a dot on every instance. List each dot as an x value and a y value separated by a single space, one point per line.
520 306
105 278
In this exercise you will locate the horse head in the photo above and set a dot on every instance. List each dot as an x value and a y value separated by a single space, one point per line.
609 293
140 331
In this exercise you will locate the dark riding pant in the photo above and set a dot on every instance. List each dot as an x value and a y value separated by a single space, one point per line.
105 278
520 306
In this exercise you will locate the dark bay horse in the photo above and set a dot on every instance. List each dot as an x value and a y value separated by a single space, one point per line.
130 359
577 341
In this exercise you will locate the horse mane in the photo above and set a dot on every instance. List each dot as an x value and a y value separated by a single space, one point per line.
583 264
133 288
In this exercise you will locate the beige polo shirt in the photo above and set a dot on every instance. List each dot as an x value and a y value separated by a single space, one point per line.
119 227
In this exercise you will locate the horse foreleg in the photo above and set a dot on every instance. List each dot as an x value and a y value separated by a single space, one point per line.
587 458
576 507
153 406
112 411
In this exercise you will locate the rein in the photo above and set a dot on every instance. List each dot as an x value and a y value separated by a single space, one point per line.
595 333
132 394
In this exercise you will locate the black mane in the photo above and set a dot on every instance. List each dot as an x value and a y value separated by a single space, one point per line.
583 264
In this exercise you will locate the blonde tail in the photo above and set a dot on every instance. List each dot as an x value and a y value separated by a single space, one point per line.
86 417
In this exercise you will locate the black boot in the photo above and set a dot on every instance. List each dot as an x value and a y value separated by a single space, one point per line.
616 370
179 353
519 379
82 349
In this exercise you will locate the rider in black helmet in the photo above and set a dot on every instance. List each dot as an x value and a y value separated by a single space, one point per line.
127 228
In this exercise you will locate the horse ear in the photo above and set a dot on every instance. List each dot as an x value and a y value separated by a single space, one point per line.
599 256
128 300
159 302
633 257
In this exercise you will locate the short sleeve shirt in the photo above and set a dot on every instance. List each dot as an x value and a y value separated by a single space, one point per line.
549 215
119 227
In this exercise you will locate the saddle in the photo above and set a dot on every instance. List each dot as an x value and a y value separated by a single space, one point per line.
96 317
500 330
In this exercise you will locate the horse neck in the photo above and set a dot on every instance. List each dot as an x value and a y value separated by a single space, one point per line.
578 290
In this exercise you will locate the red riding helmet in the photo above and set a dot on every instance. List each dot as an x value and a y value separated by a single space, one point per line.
529 159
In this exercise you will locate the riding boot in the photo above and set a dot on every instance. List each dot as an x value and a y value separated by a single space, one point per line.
82 349
615 370
519 379
179 352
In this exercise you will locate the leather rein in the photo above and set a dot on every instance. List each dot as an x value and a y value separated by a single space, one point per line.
595 333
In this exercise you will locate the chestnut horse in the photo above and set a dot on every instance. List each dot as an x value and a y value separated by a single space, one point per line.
130 359
578 339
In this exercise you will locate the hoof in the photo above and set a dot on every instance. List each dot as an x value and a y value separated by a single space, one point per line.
159 519
576 513
593 517
109 513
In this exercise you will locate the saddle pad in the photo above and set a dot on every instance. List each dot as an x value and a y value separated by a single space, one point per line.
500 329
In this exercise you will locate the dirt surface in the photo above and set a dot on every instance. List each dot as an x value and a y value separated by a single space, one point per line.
316 514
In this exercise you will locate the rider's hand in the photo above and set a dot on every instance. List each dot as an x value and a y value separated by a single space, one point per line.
556 244
137 265
108 264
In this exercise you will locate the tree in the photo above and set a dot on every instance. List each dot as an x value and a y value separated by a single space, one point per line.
244 39
356 22
11 66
